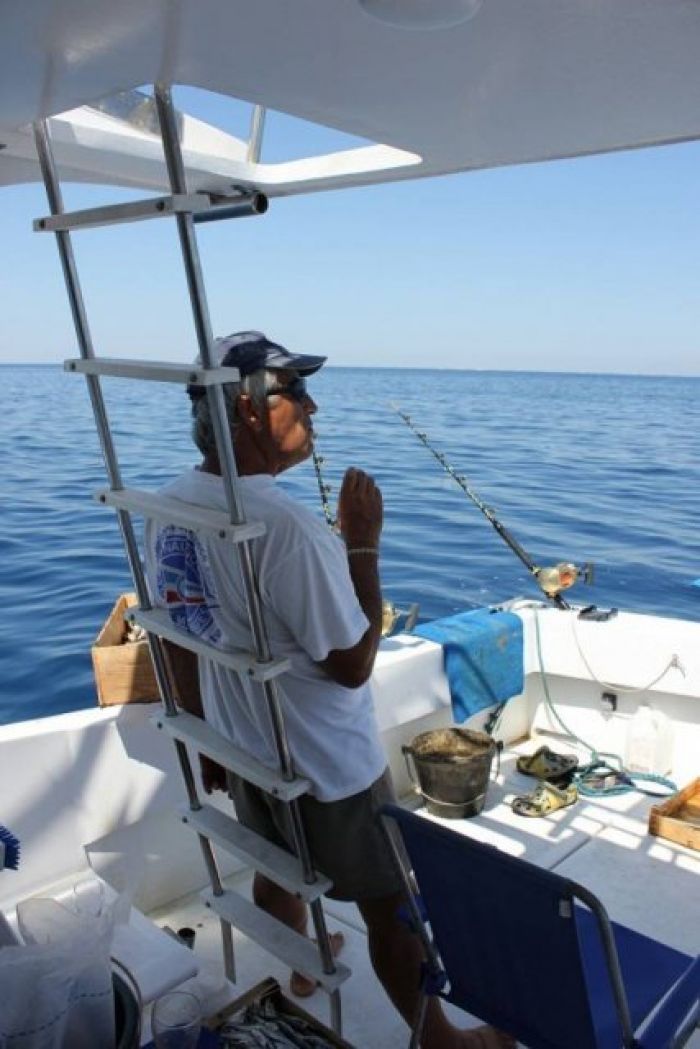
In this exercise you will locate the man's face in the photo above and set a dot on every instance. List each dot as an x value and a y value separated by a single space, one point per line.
289 419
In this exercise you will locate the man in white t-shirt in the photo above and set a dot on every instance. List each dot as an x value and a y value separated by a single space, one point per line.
322 608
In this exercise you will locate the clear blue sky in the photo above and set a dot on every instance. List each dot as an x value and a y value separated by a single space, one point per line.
586 265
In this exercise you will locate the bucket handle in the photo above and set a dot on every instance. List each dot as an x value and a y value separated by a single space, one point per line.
407 752
451 804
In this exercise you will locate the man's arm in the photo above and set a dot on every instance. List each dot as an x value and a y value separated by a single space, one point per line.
184 682
360 517
184 678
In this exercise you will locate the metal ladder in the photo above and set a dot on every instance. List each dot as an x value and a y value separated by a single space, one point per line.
292 872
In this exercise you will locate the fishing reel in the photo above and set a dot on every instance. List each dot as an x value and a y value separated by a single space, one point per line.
552 580
391 616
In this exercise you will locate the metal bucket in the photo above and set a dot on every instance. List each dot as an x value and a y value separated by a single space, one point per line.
453 766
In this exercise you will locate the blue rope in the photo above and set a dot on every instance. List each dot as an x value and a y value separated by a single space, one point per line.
623 781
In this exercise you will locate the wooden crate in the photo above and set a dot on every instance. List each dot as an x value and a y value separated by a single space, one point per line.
678 819
271 989
123 670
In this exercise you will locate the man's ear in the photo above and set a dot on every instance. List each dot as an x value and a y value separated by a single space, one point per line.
248 413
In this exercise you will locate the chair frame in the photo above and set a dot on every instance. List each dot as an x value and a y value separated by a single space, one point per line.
434 975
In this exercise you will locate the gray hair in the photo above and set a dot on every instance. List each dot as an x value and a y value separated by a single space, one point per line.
256 385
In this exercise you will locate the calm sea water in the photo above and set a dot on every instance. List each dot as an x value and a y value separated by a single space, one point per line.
582 468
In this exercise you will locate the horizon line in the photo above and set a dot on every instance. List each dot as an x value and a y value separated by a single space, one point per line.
442 368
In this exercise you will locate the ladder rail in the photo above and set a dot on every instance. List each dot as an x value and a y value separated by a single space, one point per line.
79 314
82 329
224 443
215 395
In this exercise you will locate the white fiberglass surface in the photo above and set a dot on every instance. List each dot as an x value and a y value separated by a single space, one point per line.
515 83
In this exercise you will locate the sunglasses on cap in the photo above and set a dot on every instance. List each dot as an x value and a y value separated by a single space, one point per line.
296 389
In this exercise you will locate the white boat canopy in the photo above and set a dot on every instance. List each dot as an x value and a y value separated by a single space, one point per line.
521 81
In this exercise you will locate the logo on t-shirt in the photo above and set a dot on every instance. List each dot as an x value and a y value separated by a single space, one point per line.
185 582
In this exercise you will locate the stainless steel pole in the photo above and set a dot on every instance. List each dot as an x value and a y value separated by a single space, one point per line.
190 253
257 126
82 328
195 282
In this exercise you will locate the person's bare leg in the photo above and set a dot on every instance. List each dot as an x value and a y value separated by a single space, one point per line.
290 910
397 955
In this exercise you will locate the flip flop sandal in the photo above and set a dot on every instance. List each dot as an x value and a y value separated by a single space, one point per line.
545 798
547 765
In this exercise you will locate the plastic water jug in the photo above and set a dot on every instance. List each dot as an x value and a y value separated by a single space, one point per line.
649 745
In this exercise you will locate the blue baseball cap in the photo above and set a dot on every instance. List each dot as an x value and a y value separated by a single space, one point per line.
249 351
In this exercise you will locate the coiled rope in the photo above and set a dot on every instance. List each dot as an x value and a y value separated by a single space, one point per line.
590 778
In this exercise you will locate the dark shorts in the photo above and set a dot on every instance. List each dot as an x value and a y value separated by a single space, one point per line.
345 838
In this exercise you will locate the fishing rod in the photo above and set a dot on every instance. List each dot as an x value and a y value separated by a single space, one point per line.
324 490
551 580
390 613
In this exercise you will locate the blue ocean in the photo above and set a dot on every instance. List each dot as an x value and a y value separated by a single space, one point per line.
582 468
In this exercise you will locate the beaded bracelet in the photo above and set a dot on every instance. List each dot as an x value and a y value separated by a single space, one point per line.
363 550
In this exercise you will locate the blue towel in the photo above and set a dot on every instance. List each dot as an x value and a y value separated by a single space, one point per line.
483 654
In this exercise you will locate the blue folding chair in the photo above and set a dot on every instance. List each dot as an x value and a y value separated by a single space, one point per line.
535 954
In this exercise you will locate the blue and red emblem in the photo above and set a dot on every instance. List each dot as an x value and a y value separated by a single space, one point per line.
185 583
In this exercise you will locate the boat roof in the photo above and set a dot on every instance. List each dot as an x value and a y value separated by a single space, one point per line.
518 82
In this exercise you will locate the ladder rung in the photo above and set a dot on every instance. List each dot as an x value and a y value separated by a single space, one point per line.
158 371
296 951
206 740
113 214
157 621
280 866
175 511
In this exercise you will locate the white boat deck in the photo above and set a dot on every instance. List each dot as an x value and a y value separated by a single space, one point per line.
645 882
113 790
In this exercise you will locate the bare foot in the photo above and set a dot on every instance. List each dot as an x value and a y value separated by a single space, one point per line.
303 987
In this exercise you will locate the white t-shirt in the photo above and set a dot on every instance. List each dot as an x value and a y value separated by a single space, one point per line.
310 608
